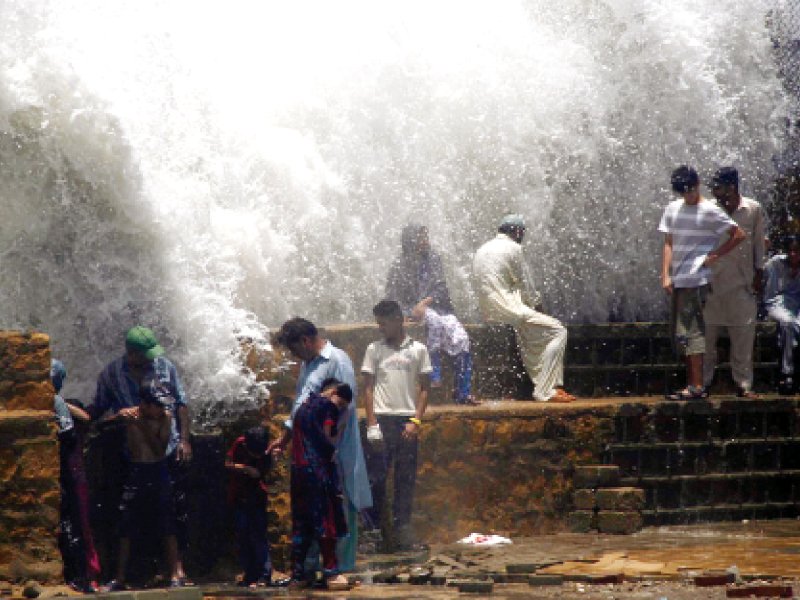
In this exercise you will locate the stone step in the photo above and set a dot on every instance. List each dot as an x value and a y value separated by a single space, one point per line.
708 477
717 443
721 512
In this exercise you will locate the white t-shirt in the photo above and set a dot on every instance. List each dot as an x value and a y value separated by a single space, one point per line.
696 231
396 372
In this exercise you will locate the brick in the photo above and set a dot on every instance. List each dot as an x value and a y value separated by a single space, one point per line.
162 594
595 476
35 395
419 576
186 593
510 577
619 522
760 591
621 499
476 587
716 579
543 580
584 499
522 567
614 578
581 521
38 459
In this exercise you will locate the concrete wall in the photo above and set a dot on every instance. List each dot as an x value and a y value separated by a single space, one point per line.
29 469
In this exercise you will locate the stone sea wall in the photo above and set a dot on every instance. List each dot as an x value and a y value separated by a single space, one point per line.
29 468
503 469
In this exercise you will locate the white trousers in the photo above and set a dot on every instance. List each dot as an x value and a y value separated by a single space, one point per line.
742 338
542 341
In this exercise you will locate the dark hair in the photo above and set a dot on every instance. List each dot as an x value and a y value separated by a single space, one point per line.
683 179
388 309
294 329
343 390
789 240
726 176
510 230
329 382
256 440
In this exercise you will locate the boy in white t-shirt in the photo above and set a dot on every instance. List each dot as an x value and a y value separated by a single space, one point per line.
396 374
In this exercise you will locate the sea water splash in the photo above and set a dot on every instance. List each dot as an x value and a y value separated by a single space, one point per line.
211 169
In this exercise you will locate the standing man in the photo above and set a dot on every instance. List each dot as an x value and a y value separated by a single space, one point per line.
692 227
321 361
737 281
118 387
396 374
505 295
416 281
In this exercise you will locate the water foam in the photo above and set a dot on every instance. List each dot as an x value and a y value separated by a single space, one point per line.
212 169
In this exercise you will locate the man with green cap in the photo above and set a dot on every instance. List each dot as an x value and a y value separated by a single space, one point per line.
118 389
505 295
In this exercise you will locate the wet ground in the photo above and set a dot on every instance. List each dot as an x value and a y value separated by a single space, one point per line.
656 563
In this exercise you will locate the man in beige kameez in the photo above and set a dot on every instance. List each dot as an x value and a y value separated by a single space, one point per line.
505 295
737 279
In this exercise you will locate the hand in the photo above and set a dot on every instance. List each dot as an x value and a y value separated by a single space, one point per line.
275 449
374 433
666 284
711 258
184 451
132 412
418 312
410 431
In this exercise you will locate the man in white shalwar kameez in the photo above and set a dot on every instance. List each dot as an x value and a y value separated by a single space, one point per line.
505 295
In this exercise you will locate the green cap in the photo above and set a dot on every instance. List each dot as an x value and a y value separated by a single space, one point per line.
143 340
513 220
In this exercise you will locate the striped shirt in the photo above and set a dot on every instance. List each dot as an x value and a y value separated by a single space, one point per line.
695 230
116 389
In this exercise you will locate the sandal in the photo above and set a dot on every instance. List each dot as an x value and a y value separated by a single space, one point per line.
686 394
338 583
469 401
561 396
747 394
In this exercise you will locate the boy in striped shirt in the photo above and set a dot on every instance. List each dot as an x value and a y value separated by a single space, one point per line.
692 227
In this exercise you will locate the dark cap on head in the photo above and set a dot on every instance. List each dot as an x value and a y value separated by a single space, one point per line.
726 176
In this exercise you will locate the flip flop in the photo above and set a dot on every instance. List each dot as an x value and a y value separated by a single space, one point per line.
561 397
469 401
686 394
337 584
